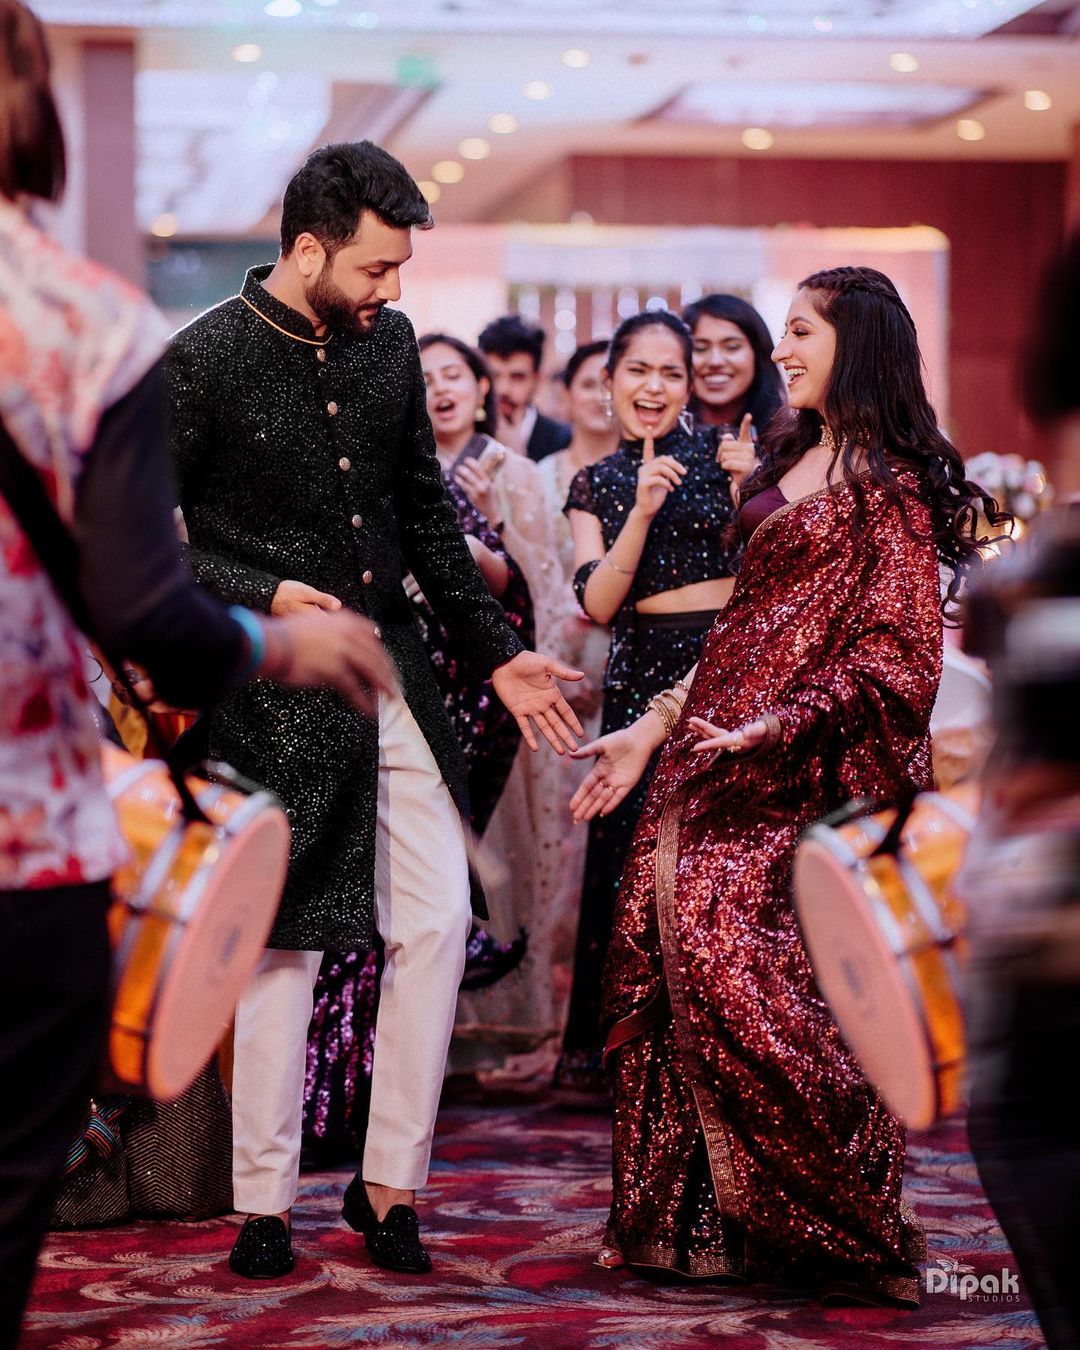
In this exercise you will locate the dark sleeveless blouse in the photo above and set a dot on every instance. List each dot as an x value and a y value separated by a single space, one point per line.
688 540
759 508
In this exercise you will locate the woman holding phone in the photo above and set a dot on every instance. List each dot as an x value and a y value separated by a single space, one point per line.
526 831
504 487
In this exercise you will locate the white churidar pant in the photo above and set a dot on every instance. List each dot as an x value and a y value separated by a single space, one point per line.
422 915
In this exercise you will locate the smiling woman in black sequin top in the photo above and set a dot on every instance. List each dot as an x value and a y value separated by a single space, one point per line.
650 541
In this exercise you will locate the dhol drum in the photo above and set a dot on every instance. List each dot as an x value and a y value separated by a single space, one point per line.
885 934
194 907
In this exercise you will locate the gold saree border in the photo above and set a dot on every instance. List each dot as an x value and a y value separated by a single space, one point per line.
872 1288
656 1257
637 1023
717 1144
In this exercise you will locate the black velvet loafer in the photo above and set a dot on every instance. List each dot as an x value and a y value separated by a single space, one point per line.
263 1251
395 1243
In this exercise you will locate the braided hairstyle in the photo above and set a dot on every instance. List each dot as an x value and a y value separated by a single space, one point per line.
32 161
876 408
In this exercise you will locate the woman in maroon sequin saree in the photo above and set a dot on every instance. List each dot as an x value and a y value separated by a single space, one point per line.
747 1142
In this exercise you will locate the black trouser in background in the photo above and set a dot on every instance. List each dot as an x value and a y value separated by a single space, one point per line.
1024 1127
54 991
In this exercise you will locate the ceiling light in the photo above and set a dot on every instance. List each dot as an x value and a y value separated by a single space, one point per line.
822 24
904 63
575 58
474 147
502 124
431 190
968 129
1037 100
757 138
164 226
536 90
326 4
247 51
282 9
365 19
448 171
757 23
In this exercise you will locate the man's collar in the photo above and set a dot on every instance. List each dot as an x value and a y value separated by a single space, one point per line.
270 307
528 423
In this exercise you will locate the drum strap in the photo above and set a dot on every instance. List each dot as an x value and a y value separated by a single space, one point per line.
58 553
890 845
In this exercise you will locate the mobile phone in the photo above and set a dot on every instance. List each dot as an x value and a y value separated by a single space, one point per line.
492 459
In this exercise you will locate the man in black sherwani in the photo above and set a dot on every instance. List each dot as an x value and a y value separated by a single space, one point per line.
308 480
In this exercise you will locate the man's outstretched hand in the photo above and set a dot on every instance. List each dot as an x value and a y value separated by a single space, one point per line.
526 685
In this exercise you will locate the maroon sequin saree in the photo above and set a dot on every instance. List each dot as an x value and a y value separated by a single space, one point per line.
746 1140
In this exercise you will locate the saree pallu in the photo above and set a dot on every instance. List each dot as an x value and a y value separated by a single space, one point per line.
746 1141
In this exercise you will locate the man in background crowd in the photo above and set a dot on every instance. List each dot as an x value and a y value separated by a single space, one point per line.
514 351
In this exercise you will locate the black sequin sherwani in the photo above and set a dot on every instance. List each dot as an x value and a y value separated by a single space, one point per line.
315 462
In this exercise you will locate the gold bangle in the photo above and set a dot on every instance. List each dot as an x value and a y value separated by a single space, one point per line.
681 684
662 711
676 712
623 571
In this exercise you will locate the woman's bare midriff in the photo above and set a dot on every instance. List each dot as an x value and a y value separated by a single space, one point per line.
687 599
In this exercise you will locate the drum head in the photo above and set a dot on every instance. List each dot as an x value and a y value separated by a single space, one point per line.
229 908
862 980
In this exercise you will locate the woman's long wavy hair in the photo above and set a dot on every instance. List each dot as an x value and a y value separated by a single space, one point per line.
478 366
876 407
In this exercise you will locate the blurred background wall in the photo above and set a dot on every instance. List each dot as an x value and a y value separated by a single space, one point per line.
678 147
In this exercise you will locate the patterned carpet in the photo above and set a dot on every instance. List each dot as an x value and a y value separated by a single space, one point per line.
513 1215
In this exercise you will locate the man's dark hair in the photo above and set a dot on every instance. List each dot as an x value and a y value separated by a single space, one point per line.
338 183
510 334
31 143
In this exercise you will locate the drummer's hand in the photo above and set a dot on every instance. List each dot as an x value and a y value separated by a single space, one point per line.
716 739
338 650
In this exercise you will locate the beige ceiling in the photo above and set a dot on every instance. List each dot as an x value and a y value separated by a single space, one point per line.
423 90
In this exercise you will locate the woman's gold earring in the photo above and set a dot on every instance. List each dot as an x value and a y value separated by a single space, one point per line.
479 414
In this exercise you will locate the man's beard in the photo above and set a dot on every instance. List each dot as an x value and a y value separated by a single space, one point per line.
336 310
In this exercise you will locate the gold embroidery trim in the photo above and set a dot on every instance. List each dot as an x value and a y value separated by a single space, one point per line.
717 1145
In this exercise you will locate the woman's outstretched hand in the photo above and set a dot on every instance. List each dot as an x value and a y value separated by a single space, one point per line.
621 757
716 739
